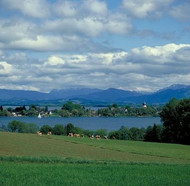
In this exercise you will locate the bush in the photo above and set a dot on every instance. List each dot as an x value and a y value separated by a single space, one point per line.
88 132
101 132
45 129
114 135
137 134
58 130
78 130
70 128
31 128
17 126
124 133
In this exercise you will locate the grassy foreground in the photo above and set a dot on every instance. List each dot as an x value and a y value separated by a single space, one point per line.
92 174
28 159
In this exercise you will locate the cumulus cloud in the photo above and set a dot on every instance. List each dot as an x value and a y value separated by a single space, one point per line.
77 29
90 26
65 8
33 8
141 9
5 68
15 29
46 45
141 69
95 7
157 54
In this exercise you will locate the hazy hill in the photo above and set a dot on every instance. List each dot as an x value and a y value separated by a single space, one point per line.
110 95
68 93
121 96
93 96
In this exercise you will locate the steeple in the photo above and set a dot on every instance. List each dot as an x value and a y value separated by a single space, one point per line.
144 105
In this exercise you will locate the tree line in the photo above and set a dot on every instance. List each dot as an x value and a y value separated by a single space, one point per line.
70 109
175 117
124 133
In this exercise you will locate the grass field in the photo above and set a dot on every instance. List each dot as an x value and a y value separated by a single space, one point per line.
28 159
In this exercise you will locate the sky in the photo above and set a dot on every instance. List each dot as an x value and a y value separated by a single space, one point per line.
139 45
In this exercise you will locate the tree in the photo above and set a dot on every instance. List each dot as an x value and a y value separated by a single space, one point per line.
64 113
136 133
16 126
114 135
31 128
176 121
33 107
71 106
183 110
45 129
58 130
70 128
124 133
88 132
32 111
154 134
5 112
101 132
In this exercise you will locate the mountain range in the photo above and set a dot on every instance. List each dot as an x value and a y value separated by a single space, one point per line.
89 96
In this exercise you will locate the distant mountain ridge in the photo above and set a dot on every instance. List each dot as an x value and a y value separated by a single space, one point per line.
67 93
93 96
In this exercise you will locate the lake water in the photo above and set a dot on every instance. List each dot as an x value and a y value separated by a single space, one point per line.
90 123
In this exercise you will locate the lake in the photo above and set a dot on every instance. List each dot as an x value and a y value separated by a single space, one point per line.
90 123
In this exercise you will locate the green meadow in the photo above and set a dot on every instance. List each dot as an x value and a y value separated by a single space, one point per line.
28 159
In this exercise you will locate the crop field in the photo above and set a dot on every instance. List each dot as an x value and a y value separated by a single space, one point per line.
28 159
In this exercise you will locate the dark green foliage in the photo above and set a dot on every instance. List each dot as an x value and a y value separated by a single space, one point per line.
101 132
64 113
16 126
45 129
88 132
21 127
20 109
31 128
104 112
124 133
59 130
72 109
176 121
154 134
69 128
116 111
33 107
169 118
78 130
5 112
32 112
136 134
114 135
71 106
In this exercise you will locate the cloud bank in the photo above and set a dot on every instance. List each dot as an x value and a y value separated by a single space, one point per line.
138 45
